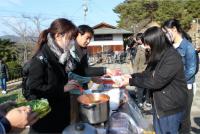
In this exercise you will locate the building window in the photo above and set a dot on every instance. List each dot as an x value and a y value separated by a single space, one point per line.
103 37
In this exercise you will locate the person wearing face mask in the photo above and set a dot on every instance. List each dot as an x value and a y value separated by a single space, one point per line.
165 78
48 80
182 43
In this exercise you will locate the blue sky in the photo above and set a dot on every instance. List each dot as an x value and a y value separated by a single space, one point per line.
11 11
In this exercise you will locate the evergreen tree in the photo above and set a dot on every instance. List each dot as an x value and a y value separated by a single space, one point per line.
133 12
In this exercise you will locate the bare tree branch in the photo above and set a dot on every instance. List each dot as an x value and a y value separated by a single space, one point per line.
27 28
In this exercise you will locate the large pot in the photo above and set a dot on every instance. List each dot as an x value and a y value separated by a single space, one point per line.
94 108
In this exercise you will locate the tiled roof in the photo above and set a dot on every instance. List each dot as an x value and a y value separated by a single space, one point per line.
111 31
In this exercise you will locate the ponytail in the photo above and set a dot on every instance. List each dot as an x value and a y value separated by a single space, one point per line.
186 36
41 40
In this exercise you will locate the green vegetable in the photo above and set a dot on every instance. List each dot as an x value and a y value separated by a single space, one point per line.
39 106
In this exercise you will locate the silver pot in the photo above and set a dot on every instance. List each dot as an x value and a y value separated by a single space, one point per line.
94 108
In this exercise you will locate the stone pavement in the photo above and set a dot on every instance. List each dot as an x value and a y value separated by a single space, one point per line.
195 112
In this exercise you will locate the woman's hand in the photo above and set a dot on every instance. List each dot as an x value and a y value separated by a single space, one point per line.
113 72
72 84
121 81
125 79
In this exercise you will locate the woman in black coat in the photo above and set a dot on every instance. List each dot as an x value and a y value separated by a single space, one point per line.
47 75
166 80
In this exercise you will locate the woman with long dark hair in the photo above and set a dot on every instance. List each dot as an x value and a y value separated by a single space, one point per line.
164 77
47 75
182 43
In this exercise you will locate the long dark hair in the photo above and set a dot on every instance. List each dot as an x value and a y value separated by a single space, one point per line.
138 36
158 42
175 23
60 26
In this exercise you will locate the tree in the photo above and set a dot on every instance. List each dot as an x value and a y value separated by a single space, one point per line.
130 13
7 50
173 9
134 11
27 32
151 7
192 7
36 29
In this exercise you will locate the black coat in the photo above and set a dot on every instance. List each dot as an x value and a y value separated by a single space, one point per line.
3 70
47 81
167 83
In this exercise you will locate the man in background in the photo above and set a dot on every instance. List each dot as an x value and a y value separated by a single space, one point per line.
3 76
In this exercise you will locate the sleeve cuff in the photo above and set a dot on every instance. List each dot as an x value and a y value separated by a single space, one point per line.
6 124
131 82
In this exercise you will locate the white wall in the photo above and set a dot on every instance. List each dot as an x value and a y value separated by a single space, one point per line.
117 37
117 40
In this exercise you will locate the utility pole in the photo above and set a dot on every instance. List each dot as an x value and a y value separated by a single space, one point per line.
85 10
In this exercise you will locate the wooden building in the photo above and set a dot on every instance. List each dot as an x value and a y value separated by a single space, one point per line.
107 38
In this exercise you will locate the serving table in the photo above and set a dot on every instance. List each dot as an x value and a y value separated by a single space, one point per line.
127 118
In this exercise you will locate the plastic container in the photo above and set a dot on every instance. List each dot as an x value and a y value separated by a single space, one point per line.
114 95
122 123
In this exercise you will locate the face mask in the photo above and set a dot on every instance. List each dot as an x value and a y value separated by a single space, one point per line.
68 44
71 44
169 36
63 58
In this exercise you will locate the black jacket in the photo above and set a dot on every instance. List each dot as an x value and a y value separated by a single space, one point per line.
47 81
5 125
167 83
3 70
82 68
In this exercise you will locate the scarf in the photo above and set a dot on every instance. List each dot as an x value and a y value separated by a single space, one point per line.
76 54
72 60
59 52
